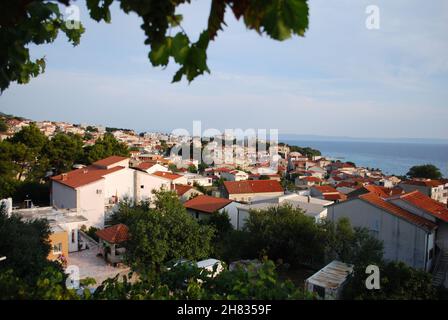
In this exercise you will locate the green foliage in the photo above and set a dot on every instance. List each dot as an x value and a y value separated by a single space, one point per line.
397 282
105 147
23 23
35 22
29 157
3 126
287 184
352 245
172 167
26 246
286 233
63 151
220 222
87 136
91 129
201 167
162 232
91 232
192 168
427 171
187 282
306 151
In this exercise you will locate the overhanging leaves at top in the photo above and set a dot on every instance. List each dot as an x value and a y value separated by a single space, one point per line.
28 22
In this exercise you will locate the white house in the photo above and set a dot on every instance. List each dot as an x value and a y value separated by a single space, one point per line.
193 178
96 189
235 175
312 207
151 167
202 206
407 237
172 178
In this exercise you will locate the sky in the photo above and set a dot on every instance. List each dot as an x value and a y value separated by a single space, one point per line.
341 79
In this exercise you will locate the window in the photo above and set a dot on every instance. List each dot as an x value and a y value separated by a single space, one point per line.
57 248
142 187
73 236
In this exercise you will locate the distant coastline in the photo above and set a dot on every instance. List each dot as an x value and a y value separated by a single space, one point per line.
299 137
392 157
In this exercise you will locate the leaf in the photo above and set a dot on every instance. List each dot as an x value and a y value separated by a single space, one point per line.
175 20
160 53
216 18
180 47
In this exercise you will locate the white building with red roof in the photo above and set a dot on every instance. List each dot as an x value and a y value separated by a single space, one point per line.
203 206
435 189
96 189
412 226
246 191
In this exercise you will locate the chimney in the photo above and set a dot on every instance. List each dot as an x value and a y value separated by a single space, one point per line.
86 171
64 177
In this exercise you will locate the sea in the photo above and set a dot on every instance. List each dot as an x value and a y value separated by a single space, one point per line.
391 157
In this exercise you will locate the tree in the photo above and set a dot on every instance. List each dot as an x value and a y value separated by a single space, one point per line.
87 136
220 222
28 251
427 171
352 245
192 168
397 282
8 169
27 22
187 282
286 233
63 151
3 126
162 232
172 167
306 151
105 147
27 147
201 167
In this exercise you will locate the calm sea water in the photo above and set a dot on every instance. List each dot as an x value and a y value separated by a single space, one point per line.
390 157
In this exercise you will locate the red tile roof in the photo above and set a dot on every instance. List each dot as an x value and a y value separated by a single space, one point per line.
181 189
115 234
326 189
146 165
312 179
397 211
378 190
347 184
431 206
425 183
109 161
252 186
206 203
167 175
83 176
335 197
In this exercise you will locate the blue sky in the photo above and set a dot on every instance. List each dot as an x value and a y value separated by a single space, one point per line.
341 79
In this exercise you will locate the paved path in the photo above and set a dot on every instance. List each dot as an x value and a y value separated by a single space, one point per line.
92 266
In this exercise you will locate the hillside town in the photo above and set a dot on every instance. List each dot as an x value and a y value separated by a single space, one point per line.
409 216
